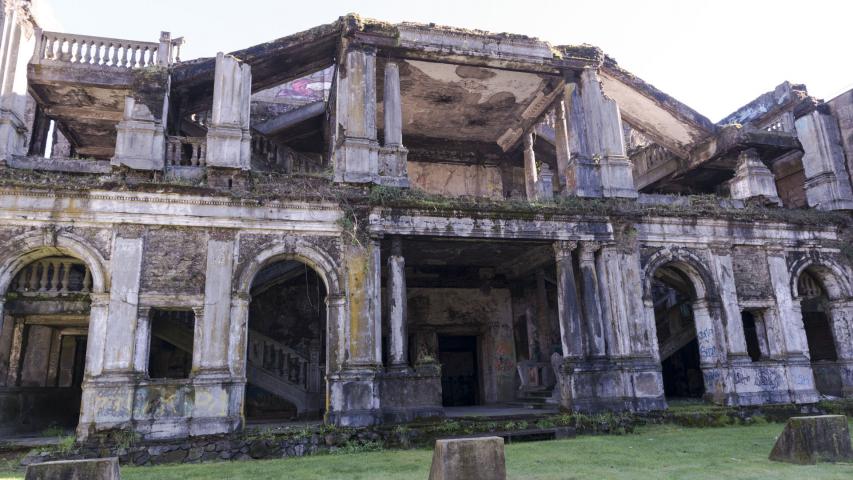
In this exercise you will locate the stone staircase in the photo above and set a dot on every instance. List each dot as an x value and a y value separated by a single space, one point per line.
271 366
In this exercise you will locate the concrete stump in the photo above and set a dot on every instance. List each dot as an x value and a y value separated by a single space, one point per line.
468 458
94 469
808 440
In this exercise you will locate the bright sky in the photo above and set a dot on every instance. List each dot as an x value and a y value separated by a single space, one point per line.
714 55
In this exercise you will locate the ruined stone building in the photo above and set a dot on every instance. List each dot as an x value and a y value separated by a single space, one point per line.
367 223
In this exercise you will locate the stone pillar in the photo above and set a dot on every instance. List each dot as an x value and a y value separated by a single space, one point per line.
721 263
125 267
239 329
583 175
19 38
393 168
399 355
608 317
96 339
140 138
710 356
15 353
753 179
561 134
212 333
567 302
228 135
354 389
143 340
827 181
603 125
841 321
591 308
356 149
790 318
531 174
543 327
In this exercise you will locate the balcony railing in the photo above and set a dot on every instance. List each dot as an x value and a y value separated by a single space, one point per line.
54 48
53 276
186 151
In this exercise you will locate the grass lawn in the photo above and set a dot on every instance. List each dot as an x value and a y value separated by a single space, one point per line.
657 452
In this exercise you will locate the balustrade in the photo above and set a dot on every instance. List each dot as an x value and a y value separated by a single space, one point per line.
66 48
284 363
186 151
53 276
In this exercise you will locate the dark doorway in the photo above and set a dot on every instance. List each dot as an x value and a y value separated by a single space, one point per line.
459 379
673 295
682 377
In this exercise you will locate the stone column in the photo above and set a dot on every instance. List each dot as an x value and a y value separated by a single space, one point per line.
790 318
543 329
583 175
228 136
399 355
567 301
354 390
841 321
603 125
592 311
827 181
125 269
393 168
531 176
238 336
96 339
143 340
393 107
210 349
15 353
357 151
561 134
608 317
721 263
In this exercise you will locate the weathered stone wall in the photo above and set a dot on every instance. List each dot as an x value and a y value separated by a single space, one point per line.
751 274
456 180
464 311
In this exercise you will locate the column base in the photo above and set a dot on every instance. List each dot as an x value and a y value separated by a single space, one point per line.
411 393
355 398
615 385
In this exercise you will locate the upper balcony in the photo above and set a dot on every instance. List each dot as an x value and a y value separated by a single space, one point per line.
81 82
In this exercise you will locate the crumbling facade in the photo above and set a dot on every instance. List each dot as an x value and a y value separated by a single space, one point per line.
369 223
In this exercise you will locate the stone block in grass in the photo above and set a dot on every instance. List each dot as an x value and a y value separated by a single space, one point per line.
468 458
94 469
808 440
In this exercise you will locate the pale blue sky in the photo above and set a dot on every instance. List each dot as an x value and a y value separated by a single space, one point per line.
713 56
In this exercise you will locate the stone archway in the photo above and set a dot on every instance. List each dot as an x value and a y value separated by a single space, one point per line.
287 256
683 312
53 295
822 298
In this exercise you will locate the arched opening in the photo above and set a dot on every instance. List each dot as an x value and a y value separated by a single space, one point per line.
43 344
286 348
814 302
674 297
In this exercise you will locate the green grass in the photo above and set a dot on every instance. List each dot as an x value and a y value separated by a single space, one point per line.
655 452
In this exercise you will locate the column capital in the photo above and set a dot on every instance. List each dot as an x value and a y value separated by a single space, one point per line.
564 248
591 246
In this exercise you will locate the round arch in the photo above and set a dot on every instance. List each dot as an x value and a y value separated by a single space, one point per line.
36 246
830 274
298 250
687 263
